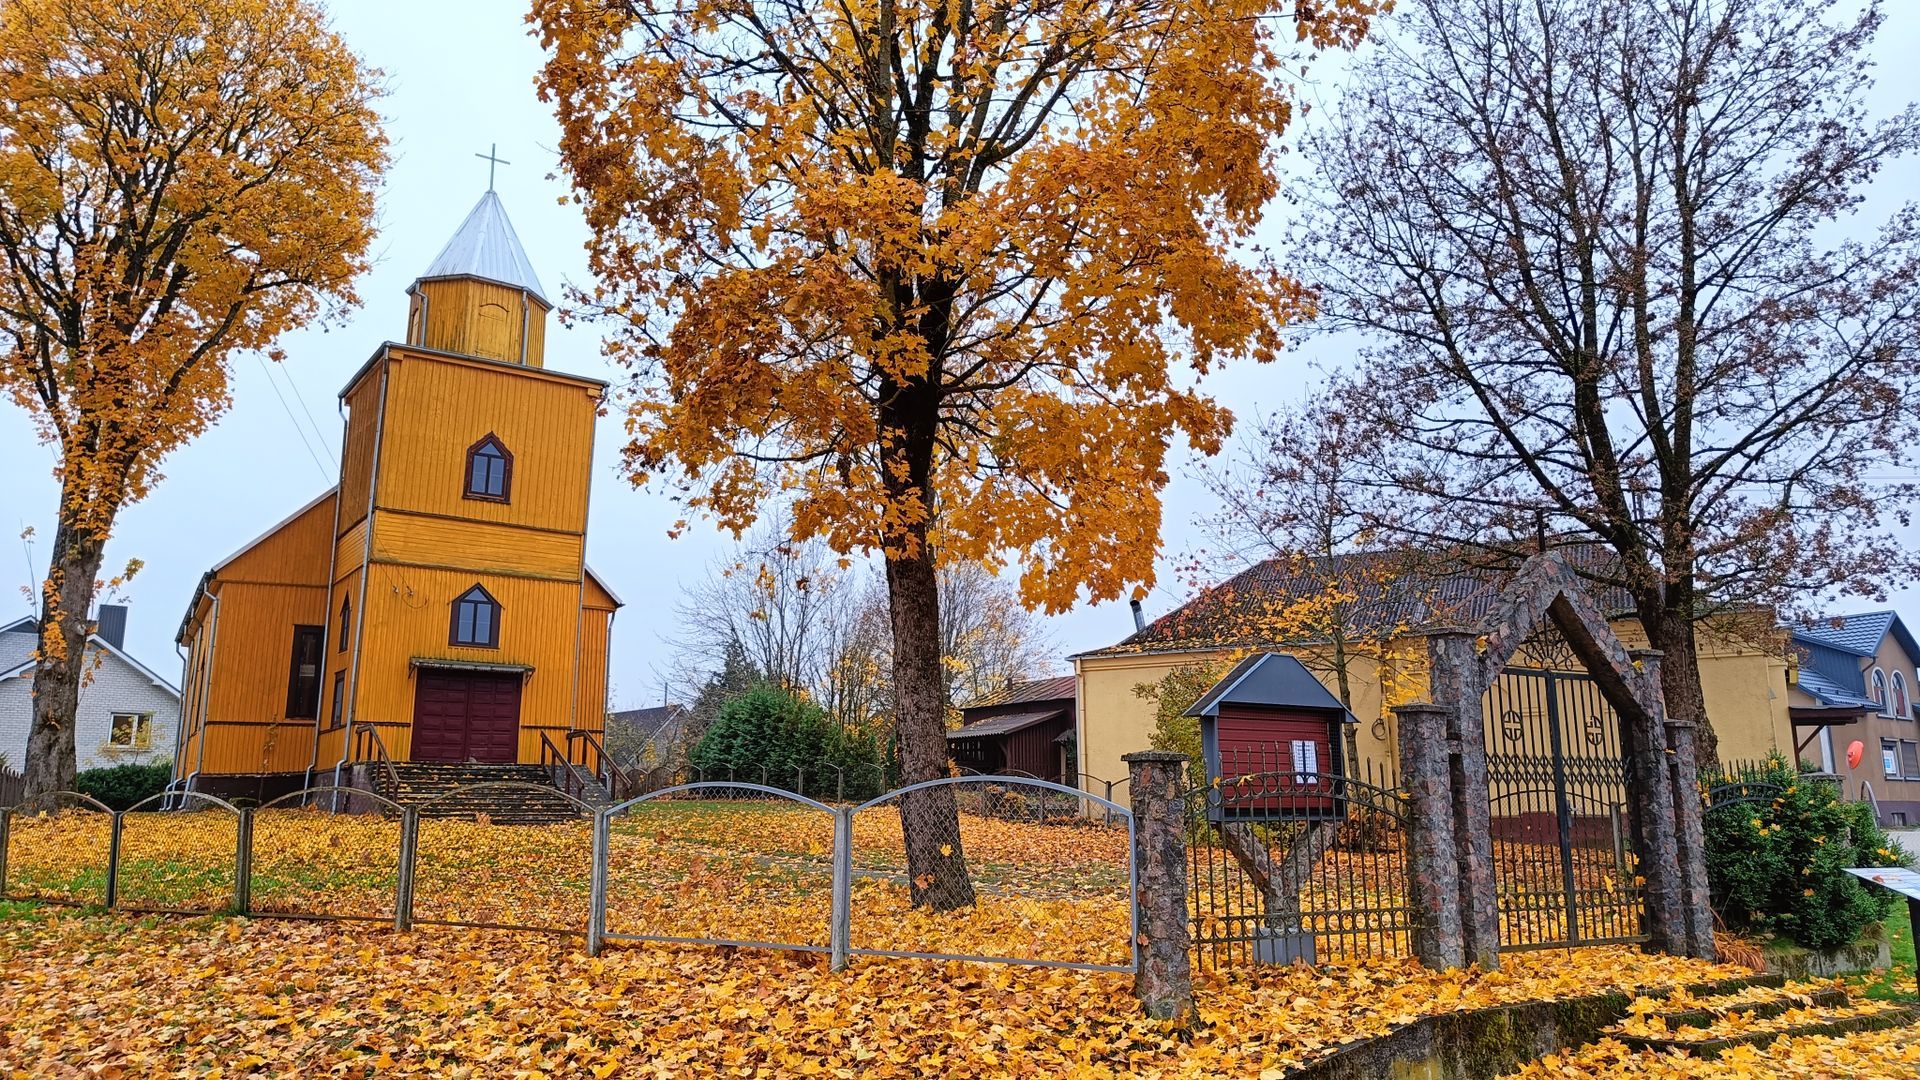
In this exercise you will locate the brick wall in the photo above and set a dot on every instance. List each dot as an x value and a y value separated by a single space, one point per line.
115 686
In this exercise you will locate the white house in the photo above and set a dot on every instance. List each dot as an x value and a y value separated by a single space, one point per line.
128 713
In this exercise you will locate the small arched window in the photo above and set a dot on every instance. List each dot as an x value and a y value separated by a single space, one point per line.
476 619
346 623
1879 690
489 470
1900 696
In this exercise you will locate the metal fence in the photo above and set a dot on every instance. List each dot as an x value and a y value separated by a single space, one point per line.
726 863
1292 866
1557 794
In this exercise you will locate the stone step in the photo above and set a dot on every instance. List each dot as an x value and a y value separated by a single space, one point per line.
1892 1016
508 794
1830 997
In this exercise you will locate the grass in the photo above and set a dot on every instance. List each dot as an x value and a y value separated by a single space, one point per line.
1897 982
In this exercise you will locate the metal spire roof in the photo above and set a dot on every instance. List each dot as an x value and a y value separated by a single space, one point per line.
485 246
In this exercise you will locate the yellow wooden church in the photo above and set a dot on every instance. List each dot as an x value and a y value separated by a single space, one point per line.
435 605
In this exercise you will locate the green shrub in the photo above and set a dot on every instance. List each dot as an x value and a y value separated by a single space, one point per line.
1777 865
121 786
793 739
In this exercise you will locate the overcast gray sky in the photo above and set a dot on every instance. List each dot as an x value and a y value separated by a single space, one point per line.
461 76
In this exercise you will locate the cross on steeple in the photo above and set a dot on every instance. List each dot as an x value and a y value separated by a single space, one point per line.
492 158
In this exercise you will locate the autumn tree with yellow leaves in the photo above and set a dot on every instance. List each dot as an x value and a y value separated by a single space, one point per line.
179 181
935 269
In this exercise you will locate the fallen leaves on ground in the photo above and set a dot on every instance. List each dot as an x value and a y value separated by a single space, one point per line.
1738 1023
107 995
1893 1054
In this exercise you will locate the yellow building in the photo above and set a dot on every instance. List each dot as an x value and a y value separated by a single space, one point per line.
1743 666
436 603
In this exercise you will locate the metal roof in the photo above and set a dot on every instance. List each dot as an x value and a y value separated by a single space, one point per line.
1832 694
1005 725
1059 688
485 246
1267 679
1859 634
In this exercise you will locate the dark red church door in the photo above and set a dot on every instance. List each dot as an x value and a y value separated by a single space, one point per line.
466 716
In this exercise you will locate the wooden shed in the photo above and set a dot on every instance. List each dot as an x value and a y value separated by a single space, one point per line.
1025 729
1271 722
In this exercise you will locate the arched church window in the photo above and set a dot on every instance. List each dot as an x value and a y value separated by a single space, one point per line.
1879 690
346 623
1900 696
489 470
476 619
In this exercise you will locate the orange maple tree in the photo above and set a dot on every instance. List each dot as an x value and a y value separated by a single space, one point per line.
179 180
930 270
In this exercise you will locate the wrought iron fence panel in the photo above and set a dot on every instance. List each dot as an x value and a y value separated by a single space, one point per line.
1051 869
1564 865
311 860
57 848
181 854
1292 865
464 875
717 864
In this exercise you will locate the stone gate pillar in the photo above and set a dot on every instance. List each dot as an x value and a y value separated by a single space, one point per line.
1433 864
1650 796
1456 682
1164 980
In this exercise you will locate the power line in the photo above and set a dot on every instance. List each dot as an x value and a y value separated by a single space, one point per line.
297 429
319 436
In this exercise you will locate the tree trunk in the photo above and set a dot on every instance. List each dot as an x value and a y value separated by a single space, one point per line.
930 819
66 597
1280 884
1669 626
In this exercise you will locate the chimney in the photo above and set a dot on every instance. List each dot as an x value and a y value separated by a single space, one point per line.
1139 620
110 622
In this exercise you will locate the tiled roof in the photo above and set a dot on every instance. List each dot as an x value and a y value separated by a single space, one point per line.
485 246
1858 634
1005 724
1388 588
1060 688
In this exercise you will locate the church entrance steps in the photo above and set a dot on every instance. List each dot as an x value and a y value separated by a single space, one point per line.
502 794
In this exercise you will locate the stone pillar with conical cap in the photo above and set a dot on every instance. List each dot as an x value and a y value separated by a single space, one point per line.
480 297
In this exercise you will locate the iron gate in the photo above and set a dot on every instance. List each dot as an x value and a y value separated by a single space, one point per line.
1563 859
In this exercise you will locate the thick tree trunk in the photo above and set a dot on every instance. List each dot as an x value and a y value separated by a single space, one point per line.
1668 622
66 597
930 819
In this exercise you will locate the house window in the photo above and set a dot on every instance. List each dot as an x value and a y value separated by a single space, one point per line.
1910 759
476 619
1900 697
131 731
346 621
489 470
1306 761
1879 691
1899 820
303 673
339 697
1890 757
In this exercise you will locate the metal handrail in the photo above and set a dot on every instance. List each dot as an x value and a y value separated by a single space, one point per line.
361 735
611 774
551 756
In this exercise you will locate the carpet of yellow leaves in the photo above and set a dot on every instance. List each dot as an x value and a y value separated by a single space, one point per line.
107 996
1737 1023
1893 1054
740 871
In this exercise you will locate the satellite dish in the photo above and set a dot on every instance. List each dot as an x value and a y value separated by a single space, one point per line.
1855 751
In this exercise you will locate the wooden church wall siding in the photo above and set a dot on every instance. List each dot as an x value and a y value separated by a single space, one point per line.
356 466
351 549
591 691
431 541
412 607
296 554
255 647
455 321
546 424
